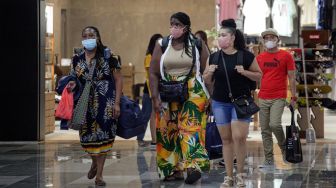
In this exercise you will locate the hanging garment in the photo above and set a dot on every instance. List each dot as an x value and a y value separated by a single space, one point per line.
308 12
324 14
283 12
227 9
240 17
255 12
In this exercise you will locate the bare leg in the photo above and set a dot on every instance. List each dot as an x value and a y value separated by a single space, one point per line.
239 134
226 136
93 169
152 124
94 161
100 166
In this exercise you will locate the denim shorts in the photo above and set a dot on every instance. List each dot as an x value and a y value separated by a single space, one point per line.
224 113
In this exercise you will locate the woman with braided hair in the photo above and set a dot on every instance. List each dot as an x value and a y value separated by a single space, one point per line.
180 125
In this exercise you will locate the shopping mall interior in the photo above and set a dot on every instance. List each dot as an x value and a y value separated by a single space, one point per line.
40 38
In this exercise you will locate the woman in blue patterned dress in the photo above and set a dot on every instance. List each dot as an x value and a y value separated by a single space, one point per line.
98 134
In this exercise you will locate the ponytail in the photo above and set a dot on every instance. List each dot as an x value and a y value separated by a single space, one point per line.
239 42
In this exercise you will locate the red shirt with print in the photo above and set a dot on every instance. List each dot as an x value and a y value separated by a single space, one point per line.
275 67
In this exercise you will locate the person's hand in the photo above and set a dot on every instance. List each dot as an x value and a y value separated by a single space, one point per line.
212 68
293 102
71 86
116 111
157 105
78 71
208 106
240 69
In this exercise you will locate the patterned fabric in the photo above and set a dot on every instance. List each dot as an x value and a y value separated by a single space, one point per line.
181 132
98 134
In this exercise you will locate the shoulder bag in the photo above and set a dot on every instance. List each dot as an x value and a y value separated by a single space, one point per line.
244 105
79 114
176 91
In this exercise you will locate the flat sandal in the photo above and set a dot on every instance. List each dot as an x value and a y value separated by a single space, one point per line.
92 173
100 183
177 175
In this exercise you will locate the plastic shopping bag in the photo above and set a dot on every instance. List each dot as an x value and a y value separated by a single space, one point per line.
65 107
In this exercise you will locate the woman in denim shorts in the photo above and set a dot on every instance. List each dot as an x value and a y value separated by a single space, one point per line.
242 77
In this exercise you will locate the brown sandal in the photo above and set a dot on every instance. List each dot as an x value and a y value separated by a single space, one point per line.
177 175
92 173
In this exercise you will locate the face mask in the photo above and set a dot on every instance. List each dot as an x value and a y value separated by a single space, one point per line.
223 42
89 44
270 44
176 32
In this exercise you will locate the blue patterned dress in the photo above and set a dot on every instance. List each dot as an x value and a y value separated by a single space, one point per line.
98 134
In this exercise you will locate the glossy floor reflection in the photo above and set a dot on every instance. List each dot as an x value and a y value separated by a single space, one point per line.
65 165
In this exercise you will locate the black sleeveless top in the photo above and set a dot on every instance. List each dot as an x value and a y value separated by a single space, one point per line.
240 85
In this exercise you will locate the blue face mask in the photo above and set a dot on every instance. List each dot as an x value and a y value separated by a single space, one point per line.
89 44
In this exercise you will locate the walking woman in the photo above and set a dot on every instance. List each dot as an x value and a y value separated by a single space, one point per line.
233 131
147 91
97 135
181 125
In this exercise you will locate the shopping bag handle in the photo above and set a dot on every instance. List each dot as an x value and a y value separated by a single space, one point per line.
294 128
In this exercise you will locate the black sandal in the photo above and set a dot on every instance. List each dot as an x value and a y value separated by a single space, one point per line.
92 173
177 175
193 176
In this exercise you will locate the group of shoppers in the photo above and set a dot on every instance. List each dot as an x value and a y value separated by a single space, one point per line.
178 128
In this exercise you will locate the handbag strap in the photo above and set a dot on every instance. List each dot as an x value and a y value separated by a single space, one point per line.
239 62
226 74
91 70
193 61
294 129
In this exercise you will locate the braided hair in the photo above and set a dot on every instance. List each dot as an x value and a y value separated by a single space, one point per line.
184 18
100 45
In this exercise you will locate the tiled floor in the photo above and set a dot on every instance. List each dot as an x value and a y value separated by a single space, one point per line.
60 162
66 165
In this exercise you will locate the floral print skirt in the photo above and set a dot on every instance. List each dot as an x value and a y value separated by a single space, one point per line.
98 134
181 132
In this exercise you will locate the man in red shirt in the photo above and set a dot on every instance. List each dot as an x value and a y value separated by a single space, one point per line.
278 67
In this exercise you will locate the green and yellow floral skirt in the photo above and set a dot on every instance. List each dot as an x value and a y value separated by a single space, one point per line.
180 132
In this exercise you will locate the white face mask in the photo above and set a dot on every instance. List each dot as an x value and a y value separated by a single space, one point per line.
270 44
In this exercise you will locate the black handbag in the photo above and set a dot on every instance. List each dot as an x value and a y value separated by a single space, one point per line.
176 91
244 105
173 91
293 143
